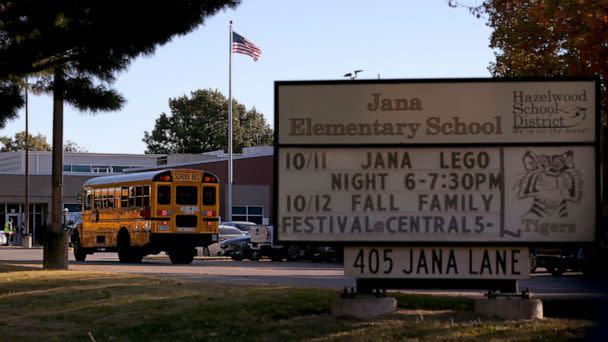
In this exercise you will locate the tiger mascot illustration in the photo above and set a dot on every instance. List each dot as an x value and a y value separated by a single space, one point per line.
552 181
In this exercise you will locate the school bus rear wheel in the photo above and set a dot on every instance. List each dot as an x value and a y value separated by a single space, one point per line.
182 255
127 253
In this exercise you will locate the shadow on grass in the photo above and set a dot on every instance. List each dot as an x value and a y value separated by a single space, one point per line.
579 308
414 301
5 268
68 305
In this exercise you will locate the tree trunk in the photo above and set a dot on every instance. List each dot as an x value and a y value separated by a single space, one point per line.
602 183
55 254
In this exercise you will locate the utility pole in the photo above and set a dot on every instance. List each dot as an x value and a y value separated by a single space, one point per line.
26 240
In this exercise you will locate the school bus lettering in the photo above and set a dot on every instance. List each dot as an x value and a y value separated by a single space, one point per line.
187 176
189 209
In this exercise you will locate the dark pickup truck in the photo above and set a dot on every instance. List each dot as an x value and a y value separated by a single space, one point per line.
555 260
262 243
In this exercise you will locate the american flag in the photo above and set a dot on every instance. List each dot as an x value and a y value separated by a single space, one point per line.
241 45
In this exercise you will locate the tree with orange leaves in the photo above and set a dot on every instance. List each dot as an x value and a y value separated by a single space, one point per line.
548 38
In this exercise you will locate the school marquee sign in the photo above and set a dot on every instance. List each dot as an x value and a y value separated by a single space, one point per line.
452 162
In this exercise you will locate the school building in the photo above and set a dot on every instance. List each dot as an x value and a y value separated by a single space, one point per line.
251 189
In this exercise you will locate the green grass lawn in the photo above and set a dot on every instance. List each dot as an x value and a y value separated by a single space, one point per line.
79 306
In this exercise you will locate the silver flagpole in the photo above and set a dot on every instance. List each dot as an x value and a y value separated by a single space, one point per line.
229 183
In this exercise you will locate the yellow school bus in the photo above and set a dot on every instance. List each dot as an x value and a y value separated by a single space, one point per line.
137 214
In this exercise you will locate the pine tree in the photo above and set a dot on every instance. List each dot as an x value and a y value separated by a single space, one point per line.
79 46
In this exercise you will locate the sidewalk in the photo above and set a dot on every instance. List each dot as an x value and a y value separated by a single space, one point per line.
19 247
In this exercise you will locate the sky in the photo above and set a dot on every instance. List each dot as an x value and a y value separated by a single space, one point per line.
300 40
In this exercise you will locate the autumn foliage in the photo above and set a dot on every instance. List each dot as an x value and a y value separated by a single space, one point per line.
548 38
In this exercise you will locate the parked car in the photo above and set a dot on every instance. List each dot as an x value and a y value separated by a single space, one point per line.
238 248
242 225
72 221
555 260
2 239
327 253
225 233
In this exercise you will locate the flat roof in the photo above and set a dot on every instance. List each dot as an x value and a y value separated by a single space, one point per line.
128 177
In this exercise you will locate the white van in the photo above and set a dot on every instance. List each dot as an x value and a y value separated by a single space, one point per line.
242 225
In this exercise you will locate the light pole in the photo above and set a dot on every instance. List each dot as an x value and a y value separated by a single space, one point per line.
352 75
26 240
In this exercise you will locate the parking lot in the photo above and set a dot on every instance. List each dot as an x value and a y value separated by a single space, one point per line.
299 274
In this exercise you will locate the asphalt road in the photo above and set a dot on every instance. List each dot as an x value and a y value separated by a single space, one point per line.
299 274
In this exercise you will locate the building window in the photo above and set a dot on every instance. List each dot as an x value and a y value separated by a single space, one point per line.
81 168
72 207
97 168
255 211
248 213
239 211
119 169
101 169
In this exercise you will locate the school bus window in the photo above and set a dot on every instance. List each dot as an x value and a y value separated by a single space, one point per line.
117 197
108 198
97 195
124 197
112 198
146 196
138 196
104 203
208 195
131 196
163 194
88 200
186 195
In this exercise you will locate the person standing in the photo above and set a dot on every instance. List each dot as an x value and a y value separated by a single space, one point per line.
8 231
